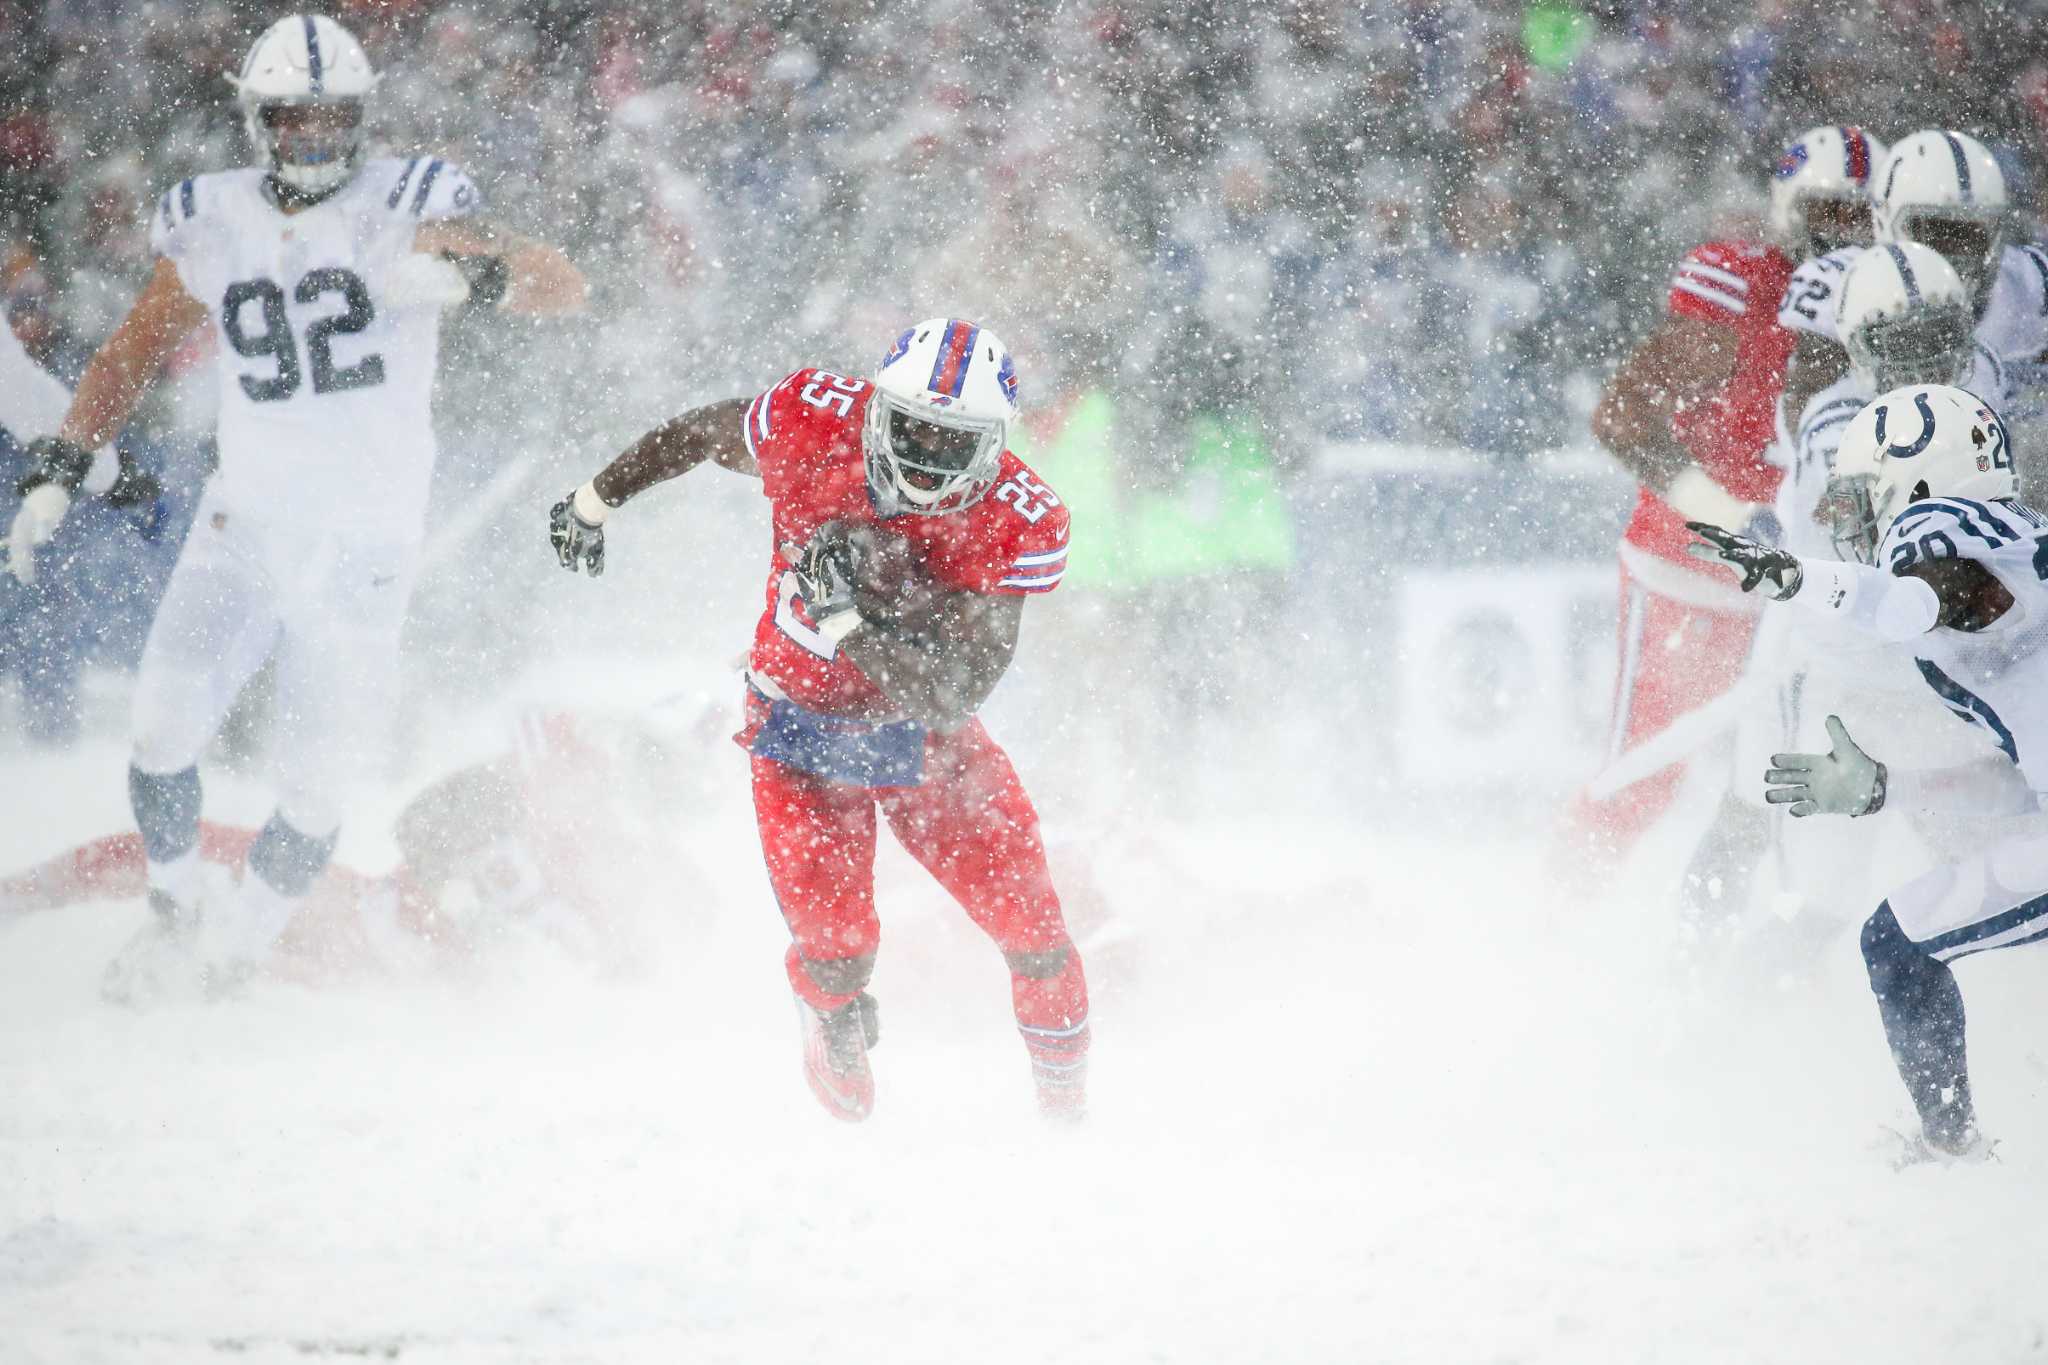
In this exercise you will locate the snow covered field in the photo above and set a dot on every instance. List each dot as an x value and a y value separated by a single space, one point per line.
1373 1100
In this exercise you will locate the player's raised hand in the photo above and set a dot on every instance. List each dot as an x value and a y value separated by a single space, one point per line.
1843 781
1775 572
578 542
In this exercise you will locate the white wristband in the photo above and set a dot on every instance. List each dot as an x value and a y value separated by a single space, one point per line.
590 506
1695 496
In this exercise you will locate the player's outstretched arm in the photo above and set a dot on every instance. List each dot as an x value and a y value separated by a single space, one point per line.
515 273
123 368
677 446
1960 594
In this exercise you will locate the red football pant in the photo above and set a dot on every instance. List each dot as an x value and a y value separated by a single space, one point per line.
973 828
1675 657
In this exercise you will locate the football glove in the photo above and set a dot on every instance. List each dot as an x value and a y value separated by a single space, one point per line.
35 521
824 572
489 277
1843 781
133 487
54 460
1775 572
579 544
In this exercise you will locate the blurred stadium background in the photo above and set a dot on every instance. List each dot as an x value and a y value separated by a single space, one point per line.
1311 302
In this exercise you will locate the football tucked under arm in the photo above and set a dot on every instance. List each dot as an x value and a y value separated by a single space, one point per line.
942 669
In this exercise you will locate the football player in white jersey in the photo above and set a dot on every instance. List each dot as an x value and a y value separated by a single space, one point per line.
1821 212
323 274
1943 189
1907 319
1951 569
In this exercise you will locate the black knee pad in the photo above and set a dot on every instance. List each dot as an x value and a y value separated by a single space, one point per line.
288 859
1040 966
166 811
841 975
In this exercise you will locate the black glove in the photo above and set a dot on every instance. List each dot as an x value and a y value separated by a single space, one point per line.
55 460
489 276
824 574
1775 571
578 543
134 486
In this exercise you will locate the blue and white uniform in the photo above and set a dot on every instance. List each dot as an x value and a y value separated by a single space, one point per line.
304 547
1995 681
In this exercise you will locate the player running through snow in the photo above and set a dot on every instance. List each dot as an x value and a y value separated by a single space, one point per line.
1690 414
324 274
1949 569
906 538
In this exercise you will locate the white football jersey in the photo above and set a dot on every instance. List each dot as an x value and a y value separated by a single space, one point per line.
1996 678
1809 303
326 379
2015 321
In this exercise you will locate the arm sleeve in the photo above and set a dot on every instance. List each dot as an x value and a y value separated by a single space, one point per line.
1991 785
433 190
1703 288
767 419
1037 560
1868 600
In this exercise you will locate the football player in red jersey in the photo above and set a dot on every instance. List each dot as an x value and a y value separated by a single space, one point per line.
906 538
1691 414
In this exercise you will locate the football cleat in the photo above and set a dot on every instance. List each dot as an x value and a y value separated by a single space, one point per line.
836 1055
1967 1148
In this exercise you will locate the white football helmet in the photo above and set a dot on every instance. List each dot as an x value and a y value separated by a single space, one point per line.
1827 165
1905 317
1945 189
306 62
940 418
1921 441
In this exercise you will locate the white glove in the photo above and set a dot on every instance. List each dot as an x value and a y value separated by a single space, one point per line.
34 523
424 280
1843 781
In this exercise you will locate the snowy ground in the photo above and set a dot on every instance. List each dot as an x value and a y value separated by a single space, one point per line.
1359 1095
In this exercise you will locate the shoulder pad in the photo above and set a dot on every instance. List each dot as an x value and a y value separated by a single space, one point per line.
1968 528
170 229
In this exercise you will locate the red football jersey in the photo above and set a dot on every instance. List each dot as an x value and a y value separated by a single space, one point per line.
1737 285
805 434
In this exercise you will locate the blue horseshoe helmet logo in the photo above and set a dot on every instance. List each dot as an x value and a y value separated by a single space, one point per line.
1898 452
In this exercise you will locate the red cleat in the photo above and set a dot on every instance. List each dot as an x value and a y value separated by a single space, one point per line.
836 1055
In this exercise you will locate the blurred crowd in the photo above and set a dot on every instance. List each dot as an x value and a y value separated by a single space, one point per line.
1217 236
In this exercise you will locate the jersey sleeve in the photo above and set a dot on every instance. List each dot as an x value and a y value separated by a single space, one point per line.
1821 424
171 230
1956 528
1810 297
432 190
1037 559
765 427
1704 287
